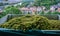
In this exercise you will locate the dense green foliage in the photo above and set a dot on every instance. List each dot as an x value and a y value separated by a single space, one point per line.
10 10
46 3
49 13
32 23
27 23
54 24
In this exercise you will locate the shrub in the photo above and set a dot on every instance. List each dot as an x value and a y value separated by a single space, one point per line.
27 23
54 24
34 22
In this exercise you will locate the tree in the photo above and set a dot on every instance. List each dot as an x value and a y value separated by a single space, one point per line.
24 4
46 3
12 10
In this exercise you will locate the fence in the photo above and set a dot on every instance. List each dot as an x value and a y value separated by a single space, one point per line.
54 17
10 16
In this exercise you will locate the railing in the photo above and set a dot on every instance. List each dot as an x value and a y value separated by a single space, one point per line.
29 32
10 16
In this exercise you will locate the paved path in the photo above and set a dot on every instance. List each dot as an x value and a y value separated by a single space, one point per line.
3 19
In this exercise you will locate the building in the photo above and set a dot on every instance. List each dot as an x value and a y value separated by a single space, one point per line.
54 8
58 9
31 10
39 10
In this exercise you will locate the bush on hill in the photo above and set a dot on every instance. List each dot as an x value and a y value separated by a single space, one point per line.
32 23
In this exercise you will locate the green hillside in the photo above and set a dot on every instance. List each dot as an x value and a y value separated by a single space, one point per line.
46 3
34 22
10 10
